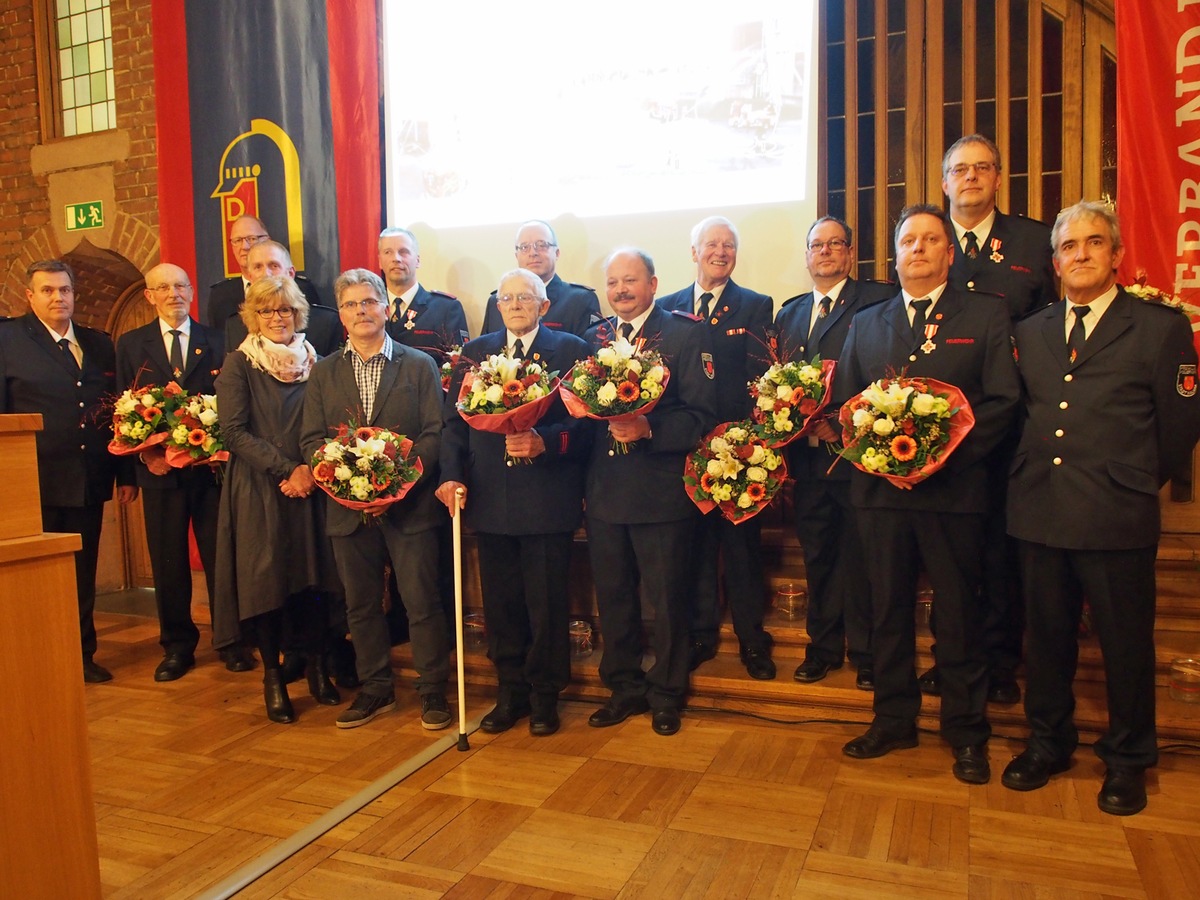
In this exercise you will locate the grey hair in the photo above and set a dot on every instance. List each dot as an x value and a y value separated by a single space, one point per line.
704 224
352 277
1087 209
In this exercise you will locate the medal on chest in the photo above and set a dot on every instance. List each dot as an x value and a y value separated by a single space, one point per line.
996 256
409 316
929 346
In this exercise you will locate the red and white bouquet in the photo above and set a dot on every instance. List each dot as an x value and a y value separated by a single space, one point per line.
735 470
194 432
141 418
789 397
904 429
506 395
366 468
618 382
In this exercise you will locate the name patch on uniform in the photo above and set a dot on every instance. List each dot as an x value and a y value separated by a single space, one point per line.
1025 270
960 340
1185 381
706 361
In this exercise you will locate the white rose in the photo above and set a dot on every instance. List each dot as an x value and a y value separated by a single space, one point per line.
784 393
208 417
718 445
635 365
655 374
757 455
607 394
714 468
765 402
744 501
606 356
332 451
756 473
863 417
884 426
147 400
494 394
922 404
342 472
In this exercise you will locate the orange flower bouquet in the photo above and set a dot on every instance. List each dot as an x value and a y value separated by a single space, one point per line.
734 469
366 469
618 382
194 433
505 395
141 418
789 398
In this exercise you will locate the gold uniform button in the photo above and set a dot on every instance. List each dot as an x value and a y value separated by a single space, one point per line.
1063 405
1058 460
1058 433
971 285
1068 377
912 359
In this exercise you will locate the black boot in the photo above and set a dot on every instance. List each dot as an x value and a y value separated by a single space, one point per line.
319 684
279 706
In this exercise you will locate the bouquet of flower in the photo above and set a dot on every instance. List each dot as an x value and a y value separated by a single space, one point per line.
194 433
904 429
141 420
453 355
734 470
1151 294
789 397
366 468
505 395
620 381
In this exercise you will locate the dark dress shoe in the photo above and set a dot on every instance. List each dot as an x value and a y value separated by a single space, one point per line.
812 670
319 685
174 666
931 682
758 663
293 667
94 673
237 659
700 652
615 711
971 764
1123 793
275 695
865 679
504 715
877 742
1031 771
1003 690
666 721
543 715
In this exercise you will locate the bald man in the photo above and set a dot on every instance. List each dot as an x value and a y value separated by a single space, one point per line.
175 347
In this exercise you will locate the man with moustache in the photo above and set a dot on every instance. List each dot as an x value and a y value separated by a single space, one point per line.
66 372
379 382
524 516
641 523
427 320
1008 256
175 347
810 326
226 296
272 258
1110 412
930 330
574 308
736 320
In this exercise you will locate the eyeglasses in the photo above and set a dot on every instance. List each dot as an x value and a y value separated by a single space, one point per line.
834 244
980 168
180 286
539 246
285 312
367 304
515 299
249 240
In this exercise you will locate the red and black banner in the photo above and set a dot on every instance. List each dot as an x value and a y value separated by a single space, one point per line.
269 108
1158 145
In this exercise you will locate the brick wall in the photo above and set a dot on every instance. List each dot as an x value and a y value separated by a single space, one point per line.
133 52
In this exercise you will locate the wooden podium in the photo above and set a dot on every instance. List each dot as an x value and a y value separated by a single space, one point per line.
47 815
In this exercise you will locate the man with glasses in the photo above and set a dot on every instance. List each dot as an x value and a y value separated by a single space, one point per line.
574 308
811 325
736 320
431 321
524 516
376 381
226 296
175 347
1008 256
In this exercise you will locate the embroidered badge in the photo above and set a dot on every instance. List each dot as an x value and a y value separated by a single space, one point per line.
1185 381
996 256
706 361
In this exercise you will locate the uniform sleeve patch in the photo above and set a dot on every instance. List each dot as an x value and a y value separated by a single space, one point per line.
1185 381
706 361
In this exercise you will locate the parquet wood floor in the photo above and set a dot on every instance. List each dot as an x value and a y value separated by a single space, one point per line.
192 782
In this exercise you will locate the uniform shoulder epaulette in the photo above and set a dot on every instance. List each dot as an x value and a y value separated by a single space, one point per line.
492 295
223 280
300 276
442 294
684 314
793 299
1152 296
1057 304
582 287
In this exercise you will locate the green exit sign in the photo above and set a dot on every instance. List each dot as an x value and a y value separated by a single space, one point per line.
85 215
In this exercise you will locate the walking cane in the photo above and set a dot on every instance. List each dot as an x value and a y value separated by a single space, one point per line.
456 515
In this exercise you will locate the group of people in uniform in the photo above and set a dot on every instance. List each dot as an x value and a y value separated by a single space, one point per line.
1083 408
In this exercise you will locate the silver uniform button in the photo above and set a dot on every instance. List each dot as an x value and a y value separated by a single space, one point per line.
1063 405
1058 433
912 359
1058 460
1068 377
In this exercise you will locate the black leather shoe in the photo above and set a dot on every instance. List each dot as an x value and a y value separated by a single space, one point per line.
931 682
1031 771
971 764
543 715
865 679
1123 793
758 663
615 711
237 659
319 685
699 652
174 666
666 721
812 670
877 742
292 668
275 696
94 673
504 715
1003 689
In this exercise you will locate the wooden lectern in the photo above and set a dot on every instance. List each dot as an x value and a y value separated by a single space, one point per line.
47 815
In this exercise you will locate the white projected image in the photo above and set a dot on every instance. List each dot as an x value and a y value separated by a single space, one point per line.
614 109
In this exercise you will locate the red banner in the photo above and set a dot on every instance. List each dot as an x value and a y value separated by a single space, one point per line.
1158 146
